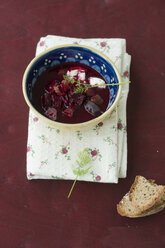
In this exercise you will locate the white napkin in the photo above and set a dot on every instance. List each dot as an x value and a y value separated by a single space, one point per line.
52 153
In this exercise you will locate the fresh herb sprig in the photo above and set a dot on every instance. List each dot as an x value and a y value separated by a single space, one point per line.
80 168
83 87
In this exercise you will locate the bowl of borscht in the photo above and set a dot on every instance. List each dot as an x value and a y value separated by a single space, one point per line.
71 86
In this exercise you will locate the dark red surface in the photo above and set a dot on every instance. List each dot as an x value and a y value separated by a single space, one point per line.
37 214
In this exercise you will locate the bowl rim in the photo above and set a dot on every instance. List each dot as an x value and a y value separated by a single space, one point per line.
68 125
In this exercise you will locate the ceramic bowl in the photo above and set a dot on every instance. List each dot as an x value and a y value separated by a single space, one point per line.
72 53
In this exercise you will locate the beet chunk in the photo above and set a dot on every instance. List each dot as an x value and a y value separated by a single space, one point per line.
56 101
65 100
59 90
68 112
92 108
79 99
45 100
97 99
71 101
65 85
51 113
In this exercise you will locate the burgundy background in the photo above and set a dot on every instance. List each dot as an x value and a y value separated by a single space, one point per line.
37 214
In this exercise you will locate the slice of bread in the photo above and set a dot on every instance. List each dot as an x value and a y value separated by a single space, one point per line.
144 198
145 193
125 208
153 211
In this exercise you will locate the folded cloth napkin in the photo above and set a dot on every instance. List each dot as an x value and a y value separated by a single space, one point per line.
52 153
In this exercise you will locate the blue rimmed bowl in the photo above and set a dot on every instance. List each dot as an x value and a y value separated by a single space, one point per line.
72 53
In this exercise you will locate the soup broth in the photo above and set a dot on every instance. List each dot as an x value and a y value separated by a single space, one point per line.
54 95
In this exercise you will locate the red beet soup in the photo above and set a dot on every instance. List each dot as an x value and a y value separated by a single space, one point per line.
67 93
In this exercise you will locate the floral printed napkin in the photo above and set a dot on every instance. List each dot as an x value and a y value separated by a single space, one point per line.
52 153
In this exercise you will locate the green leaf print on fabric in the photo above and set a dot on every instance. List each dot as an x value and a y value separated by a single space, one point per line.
109 140
44 139
50 128
62 177
110 166
79 135
44 162
57 178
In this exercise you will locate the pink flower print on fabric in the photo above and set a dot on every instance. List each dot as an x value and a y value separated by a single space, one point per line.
28 148
64 151
126 74
35 119
98 178
119 126
42 43
100 124
95 177
103 44
94 153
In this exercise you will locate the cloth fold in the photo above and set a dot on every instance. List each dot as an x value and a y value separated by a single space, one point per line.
52 153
